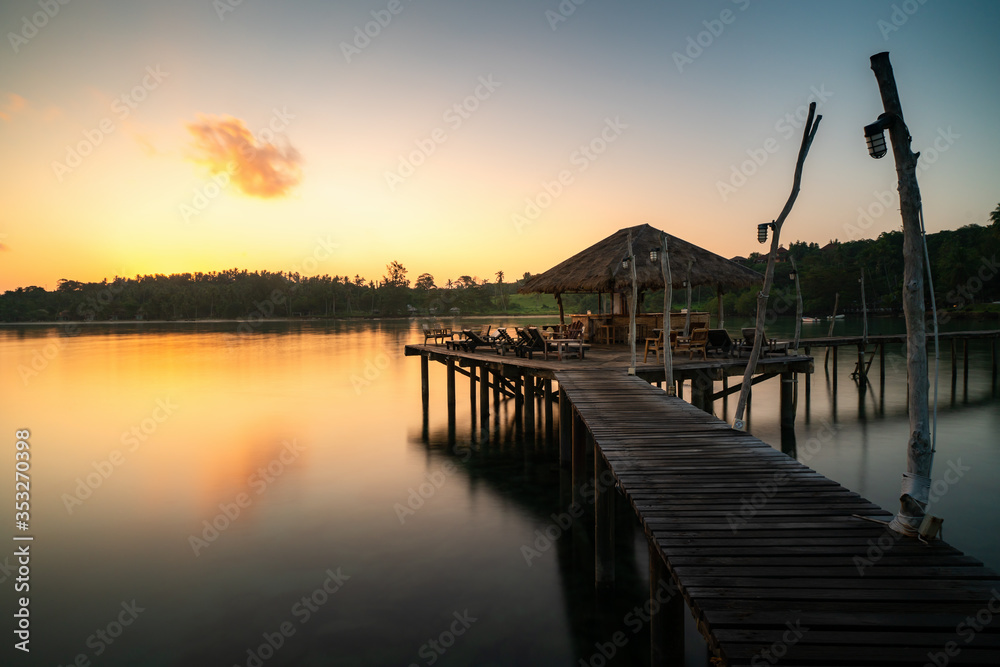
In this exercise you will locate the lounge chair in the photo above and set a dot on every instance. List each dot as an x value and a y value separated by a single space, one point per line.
698 343
655 344
502 342
719 341
772 346
471 341
530 342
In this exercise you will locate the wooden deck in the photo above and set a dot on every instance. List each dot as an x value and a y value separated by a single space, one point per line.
614 357
767 552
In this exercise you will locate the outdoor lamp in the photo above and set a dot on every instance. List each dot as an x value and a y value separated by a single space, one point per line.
625 262
654 254
762 231
792 274
875 135
684 283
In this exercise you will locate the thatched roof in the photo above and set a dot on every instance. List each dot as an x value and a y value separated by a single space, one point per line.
599 267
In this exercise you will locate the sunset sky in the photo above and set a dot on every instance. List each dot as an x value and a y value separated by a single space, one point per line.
467 137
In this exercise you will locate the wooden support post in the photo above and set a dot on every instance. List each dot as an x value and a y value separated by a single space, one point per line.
425 383
881 364
787 412
701 391
862 373
808 375
529 403
497 384
666 614
954 362
484 394
547 403
579 465
835 369
565 430
518 396
472 393
604 523
993 357
965 361
451 390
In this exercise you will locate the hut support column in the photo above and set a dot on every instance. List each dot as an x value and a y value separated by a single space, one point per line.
787 412
604 523
472 392
701 391
565 430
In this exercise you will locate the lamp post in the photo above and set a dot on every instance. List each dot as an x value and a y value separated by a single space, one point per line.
915 490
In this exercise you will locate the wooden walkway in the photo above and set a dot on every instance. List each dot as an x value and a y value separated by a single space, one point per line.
766 552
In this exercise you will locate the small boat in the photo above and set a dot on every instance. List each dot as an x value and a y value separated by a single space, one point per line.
811 319
838 317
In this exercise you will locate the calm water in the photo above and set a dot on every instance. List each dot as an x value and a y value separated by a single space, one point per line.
357 535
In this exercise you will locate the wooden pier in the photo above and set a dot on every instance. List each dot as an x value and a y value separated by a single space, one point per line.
771 556
777 563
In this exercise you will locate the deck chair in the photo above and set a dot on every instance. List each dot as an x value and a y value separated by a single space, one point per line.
502 342
531 341
698 343
719 341
471 341
570 343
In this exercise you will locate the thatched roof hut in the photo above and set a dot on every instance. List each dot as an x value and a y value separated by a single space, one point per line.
598 269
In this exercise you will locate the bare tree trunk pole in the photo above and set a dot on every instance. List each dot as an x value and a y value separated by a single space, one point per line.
668 297
687 316
920 455
798 305
808 132
632 306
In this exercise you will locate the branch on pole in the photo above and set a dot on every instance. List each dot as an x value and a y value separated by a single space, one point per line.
808 133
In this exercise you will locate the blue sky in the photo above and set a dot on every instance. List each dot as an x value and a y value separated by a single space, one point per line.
677 102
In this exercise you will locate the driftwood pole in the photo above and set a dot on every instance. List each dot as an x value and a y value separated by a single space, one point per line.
798 305
808 132
829 333
634 301
668 288
920 454
687 316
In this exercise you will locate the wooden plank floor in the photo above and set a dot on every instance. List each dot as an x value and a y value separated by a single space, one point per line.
766 551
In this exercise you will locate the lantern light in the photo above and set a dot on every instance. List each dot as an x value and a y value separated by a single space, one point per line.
654 254
875 135
762 231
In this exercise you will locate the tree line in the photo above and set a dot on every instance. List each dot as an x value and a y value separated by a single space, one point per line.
964 262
